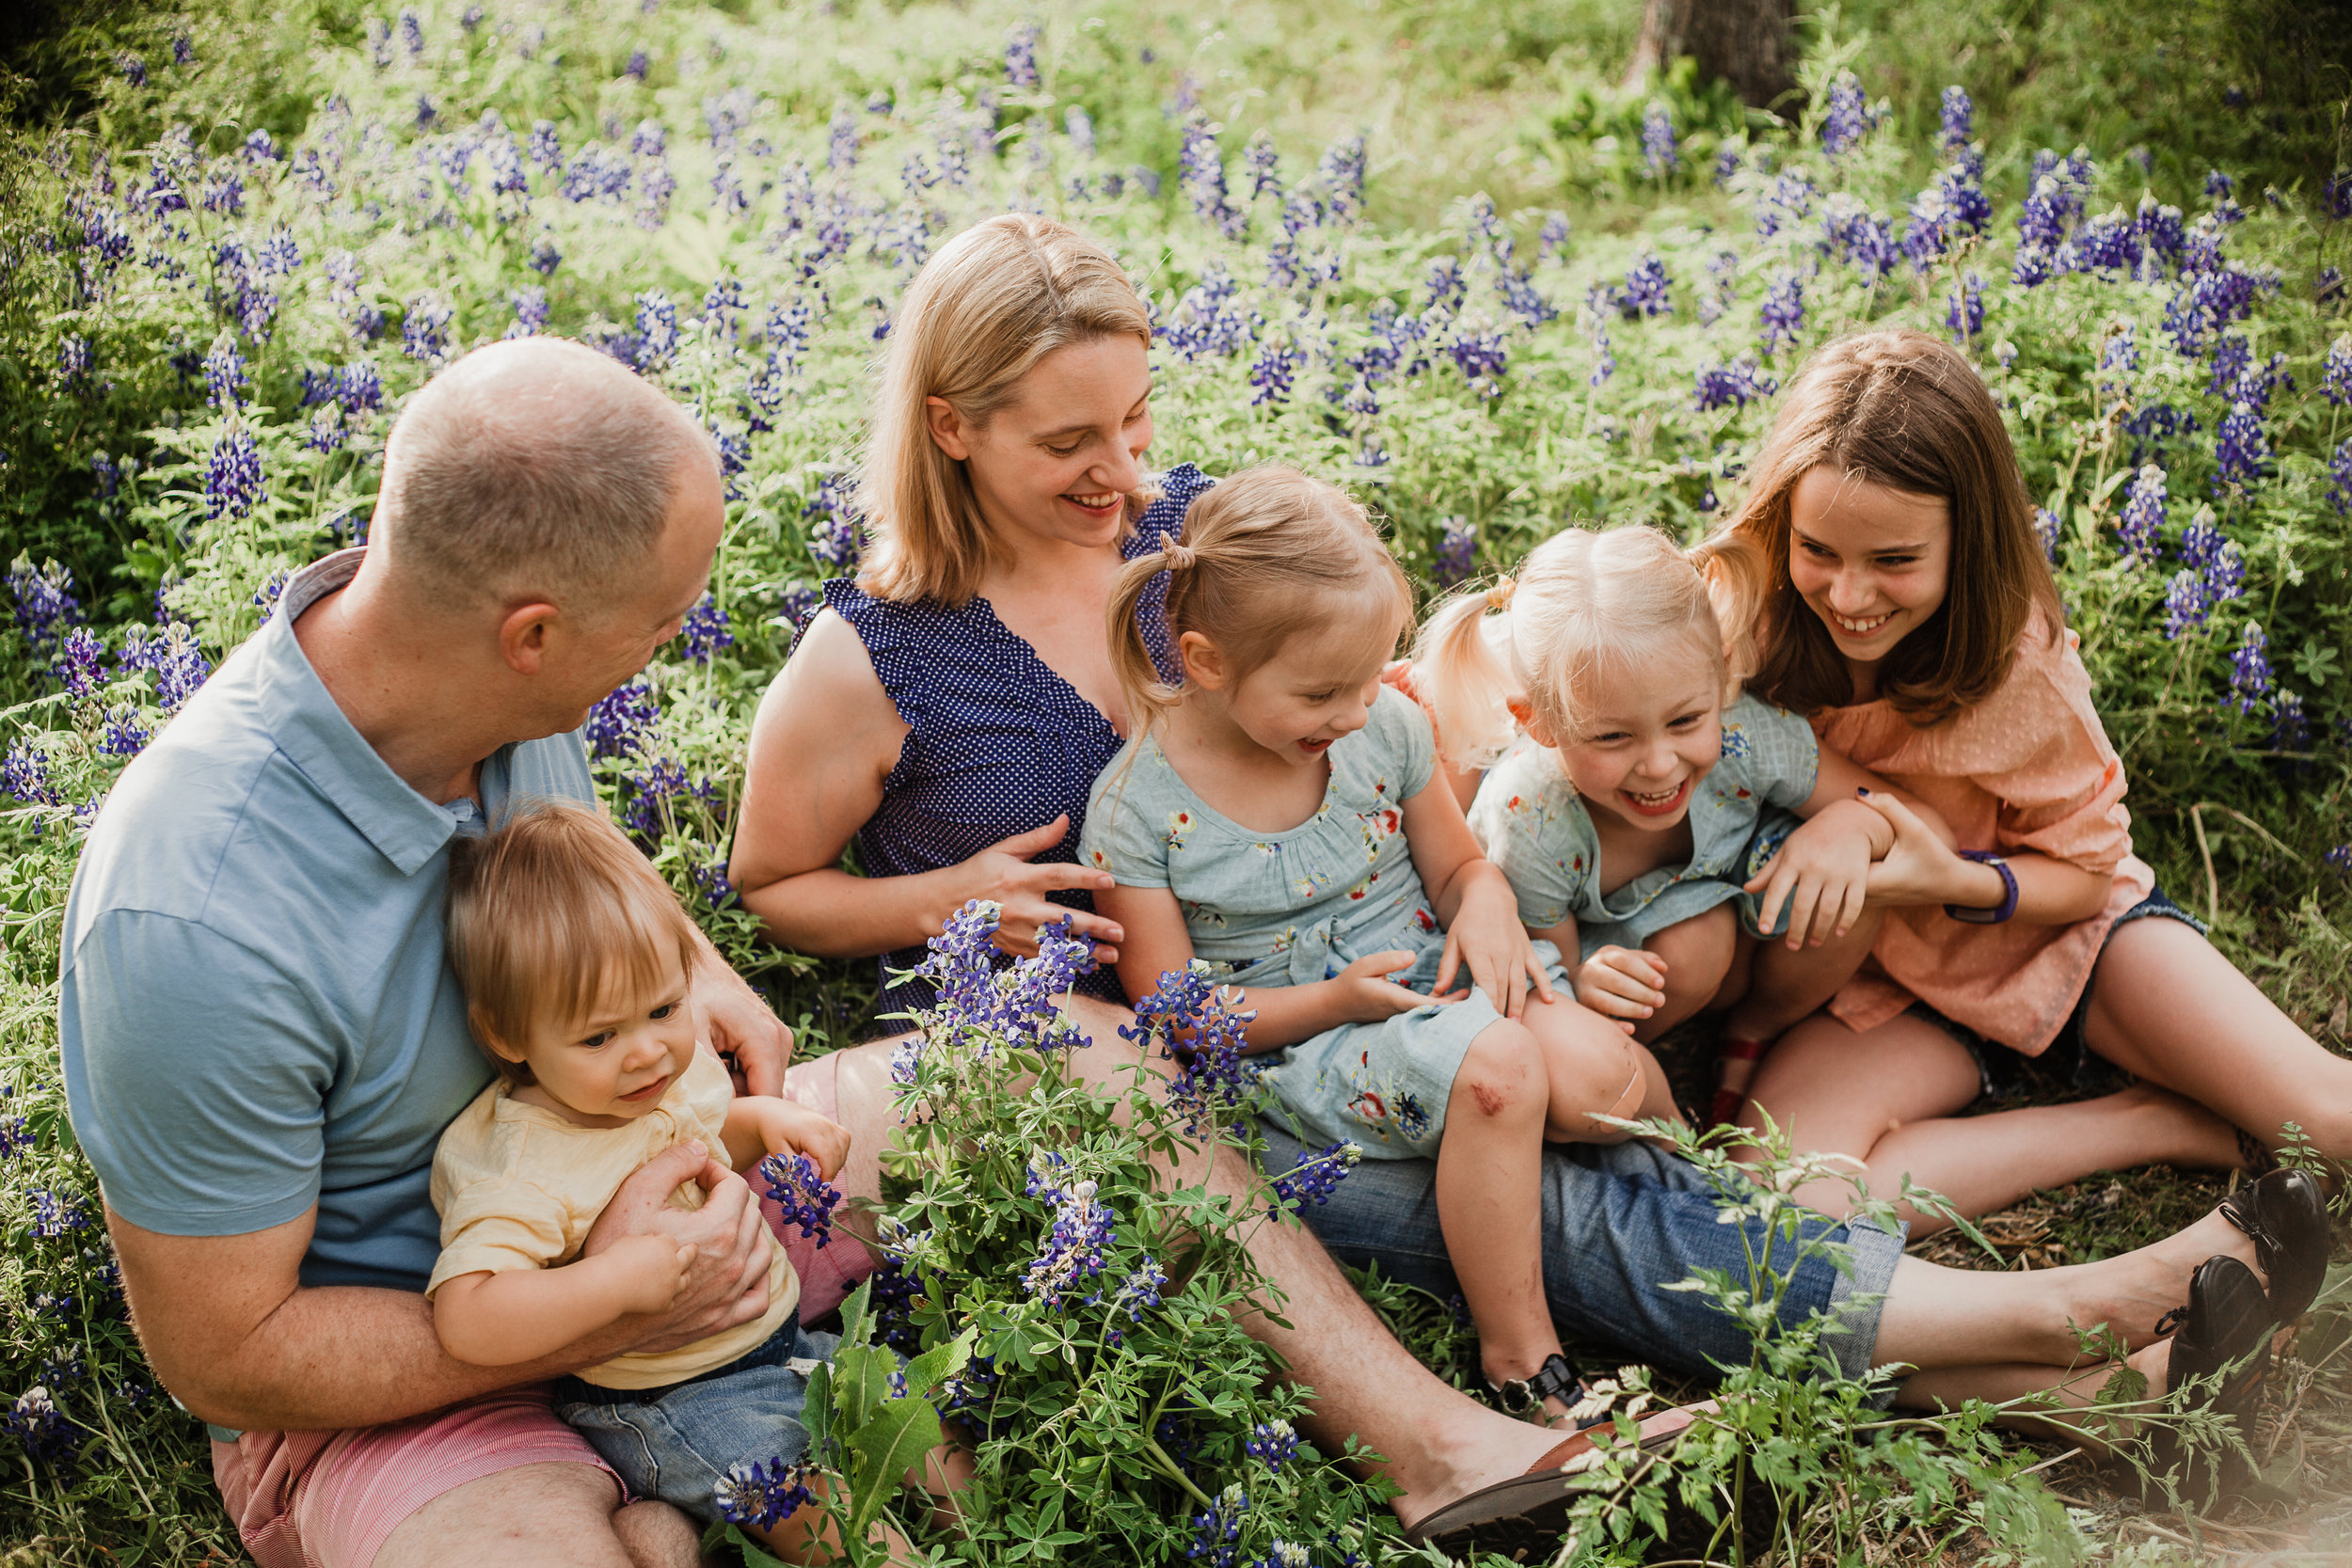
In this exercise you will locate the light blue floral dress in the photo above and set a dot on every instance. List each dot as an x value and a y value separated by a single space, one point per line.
1533 824
1291 907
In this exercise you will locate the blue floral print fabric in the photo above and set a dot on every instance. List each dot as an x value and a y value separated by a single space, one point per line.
1294 906
1533 824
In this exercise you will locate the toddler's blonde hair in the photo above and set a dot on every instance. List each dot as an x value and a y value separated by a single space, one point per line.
548 914
1586 606
1267 555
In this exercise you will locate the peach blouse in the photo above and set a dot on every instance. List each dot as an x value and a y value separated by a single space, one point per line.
2027 768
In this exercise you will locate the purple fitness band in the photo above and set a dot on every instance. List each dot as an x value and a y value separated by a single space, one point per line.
1999 913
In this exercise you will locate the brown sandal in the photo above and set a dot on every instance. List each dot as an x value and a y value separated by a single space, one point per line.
1528 1513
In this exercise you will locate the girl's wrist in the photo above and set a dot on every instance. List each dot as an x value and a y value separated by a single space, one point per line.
1972 885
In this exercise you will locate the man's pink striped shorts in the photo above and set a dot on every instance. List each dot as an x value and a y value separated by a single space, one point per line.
330 1499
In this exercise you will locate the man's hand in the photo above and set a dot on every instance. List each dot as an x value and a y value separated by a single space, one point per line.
741 1028
727 1282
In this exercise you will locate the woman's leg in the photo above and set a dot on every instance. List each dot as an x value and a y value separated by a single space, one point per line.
1886 1097
2166 1005
1489 1204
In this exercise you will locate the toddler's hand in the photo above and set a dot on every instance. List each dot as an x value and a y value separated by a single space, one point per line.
654 1269
819 1137
1366 993
1622 983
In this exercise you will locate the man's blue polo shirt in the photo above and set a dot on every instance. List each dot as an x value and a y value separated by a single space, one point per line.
257 1014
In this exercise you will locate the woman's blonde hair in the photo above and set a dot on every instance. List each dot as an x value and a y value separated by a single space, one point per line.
1907 411
996 299
547 913
1265 555
1585 608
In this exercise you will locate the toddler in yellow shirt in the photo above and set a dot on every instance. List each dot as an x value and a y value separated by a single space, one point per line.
576 961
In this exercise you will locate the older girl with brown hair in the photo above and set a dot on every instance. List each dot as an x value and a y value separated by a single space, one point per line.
1886 559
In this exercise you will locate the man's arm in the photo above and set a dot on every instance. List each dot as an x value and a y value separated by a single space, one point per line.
235 1335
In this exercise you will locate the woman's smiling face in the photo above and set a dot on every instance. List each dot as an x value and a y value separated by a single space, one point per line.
1059 461
1872 563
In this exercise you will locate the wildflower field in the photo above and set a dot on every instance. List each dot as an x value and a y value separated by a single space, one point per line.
1438 252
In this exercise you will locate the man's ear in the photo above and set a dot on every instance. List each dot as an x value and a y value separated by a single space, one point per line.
950 434
525 634
1537 731
1204 665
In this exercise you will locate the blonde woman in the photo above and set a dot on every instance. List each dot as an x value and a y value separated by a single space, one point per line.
950 712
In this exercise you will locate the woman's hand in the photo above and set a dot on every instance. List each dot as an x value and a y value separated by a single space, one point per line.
1487 937
1364 993
1622 984
1004 875
1821 875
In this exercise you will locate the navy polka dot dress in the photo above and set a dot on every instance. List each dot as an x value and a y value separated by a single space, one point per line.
1001 743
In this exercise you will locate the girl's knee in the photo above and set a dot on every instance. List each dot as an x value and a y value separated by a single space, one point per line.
1502 1074
1594 1074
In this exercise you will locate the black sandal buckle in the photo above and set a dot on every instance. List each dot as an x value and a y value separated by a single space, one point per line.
1555 1379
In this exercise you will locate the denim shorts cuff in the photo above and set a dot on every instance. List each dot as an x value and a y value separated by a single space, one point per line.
1858 1297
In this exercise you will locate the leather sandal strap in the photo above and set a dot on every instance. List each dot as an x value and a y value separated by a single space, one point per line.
2171 1321
1555 1379
1741 1050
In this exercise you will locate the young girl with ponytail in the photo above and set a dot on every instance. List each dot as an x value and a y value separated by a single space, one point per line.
1652 822
1280 815
1884 563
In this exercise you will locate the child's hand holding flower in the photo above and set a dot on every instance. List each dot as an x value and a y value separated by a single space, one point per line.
795 1128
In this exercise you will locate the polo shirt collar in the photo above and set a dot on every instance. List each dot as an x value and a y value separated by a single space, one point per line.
308 726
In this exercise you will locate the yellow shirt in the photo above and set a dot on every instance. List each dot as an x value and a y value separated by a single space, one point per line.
518 1187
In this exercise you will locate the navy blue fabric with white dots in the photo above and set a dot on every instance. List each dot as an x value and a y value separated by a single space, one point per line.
1000 743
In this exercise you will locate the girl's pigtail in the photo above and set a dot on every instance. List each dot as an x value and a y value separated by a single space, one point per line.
1738 575
1463 682
1146 696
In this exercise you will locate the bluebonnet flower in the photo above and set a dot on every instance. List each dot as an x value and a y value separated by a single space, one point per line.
705 630
1478 352
1458 551
896 1289
2219 186
1314 1178
125 735
57 1215
81 662
2335 375
134 69
172 656
1727 164
1644 291
272 589
1848 117
24 774
2340 477
2155 424
1858 236
2143 515
107 473
655 794
1021 56
2031 268
1271 372
1273 1444
544 258
531 311
1083 1229
2200 542
835 541
2231 357
2225 574
1342 170
1202 173
1783 312
359 387
73 361
1553 240
16 1136
424 328
1143 1289
2121 352
1963 309
1216 1529
2249 668
1787 203
225 193
1263 163
1445 284
2339 860
2047 526
2335 196
1605 362
1958 120
1189 1016
2290 723
1523 300
657 326
760 1494
36 1422
280 253
1731 386
1659 151
805 1197
621 720
183 51
842 141
2241 449
1079 126
2161 233
545 145
2185 604
801 604
234 482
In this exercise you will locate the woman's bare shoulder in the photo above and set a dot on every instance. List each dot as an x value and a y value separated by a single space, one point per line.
829 685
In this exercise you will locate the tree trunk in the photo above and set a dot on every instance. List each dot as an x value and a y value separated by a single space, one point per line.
1748 44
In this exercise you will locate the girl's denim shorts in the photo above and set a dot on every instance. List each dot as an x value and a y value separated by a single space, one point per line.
2069 1064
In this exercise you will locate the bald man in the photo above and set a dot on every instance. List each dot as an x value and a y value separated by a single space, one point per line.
262 1041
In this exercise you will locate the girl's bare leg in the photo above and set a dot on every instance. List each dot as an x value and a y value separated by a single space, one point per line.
1490 1198
1591 1067
1886 1096
2166 1005
1699 953
1787 984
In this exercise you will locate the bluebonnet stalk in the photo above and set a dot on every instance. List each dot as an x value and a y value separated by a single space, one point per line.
1143 1289
2047 526
2335 375
1341 169
1644 291
705 630
2185 604
835 540
2339 860
125 735
1783 312
1263 165
176 663
1082 1230
25 773
1271 372
2225 574
1659 151
621 720
1731 386
841 145
759 1495
801 604
2241 449
531 311
233 483
75 360
2290 723
545 257
2121 352
1314 1178
2340 477
1079 127
81 662
36 1422
1958 120
1458 552
1478 352
656 328
1202 175
1963 309
1848 117
134 69
1189 1016
805 1197
183 51
2143 515
1523 300
1216 1529
424 328
1273 1444
1021 56
2249 668
1445 284
1553 240
546 146
1858 236
1787 203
